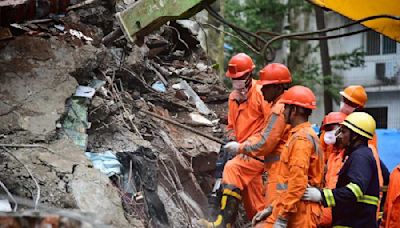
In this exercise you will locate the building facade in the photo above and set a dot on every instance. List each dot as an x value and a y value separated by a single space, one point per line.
380 75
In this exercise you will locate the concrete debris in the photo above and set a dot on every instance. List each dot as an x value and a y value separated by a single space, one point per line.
198 119
202 67
11 2
79 35
61 88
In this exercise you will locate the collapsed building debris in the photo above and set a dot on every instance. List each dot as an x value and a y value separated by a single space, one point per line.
62 89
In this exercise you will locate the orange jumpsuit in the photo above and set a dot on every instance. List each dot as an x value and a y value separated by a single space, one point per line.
270 143
246 119
301 164
391 216
325 147
335 163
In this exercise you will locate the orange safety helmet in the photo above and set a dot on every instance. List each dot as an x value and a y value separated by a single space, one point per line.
333 118
274 73
300 96
355 94
239 65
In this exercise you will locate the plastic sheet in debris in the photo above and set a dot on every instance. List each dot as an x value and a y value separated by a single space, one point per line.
85 91
159 86
106 162
389 147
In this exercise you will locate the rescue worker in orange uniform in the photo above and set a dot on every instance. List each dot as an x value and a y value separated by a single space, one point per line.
243 174
335 160
391 215
270 141
274 78
355 198
301 165
245 118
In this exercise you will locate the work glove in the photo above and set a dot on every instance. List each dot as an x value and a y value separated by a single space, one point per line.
312 194
232 147
261 215
280 223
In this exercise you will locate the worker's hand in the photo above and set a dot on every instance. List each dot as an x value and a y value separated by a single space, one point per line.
244 157
232 147
312 194
261 215
280 223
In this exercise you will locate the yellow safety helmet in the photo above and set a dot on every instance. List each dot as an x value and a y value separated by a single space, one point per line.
361 123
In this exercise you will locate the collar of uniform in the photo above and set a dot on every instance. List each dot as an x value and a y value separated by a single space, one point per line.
300 126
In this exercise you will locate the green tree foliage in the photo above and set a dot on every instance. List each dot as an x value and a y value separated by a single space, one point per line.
268 15
253 15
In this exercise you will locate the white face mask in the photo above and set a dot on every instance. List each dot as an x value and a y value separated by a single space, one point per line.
330 137
346 109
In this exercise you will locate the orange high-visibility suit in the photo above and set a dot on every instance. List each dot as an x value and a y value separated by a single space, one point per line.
301 164
246 119
391 215
269 143
325 147
334 164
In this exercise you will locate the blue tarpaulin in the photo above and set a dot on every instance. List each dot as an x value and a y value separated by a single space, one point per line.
389 147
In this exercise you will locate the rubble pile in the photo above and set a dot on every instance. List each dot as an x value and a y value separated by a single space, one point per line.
81 117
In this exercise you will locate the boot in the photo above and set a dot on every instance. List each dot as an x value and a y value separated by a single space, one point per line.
228 212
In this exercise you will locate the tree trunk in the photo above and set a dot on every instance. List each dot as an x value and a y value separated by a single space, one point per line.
325 60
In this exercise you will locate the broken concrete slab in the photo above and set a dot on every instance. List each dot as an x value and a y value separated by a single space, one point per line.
93 192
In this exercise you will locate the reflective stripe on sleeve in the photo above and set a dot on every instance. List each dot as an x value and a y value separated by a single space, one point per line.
373 200
265 135
356 190
329 198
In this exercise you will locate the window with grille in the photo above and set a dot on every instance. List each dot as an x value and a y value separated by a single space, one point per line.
389 45
376 44
380 115
373 43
